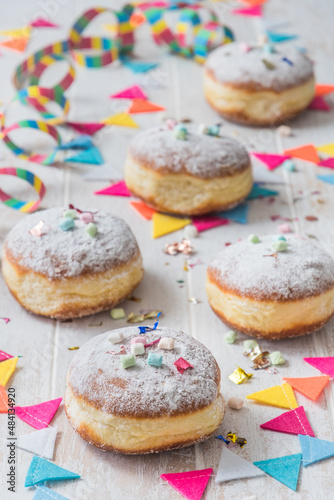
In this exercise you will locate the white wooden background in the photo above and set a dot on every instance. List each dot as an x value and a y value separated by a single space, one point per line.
43 343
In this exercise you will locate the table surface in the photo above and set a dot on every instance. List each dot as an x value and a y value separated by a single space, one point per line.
43 343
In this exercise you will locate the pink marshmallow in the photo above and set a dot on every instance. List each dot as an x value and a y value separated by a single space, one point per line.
139 340
284 228
87 217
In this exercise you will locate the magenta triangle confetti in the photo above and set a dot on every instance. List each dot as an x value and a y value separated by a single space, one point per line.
249 11
208 222
319 103
38 416
290 422
118 189
271 161
325 364
190 484
134 92
4 356
329 163
40 22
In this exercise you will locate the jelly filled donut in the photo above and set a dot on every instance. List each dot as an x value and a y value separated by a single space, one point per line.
258 85
274 288
186 170
66 264
131 394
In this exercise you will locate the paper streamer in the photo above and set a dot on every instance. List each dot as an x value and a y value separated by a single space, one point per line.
33 180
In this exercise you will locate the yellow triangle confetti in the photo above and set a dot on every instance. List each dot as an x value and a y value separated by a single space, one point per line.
120 119
164 224
326 148
25 32
7 369
279 395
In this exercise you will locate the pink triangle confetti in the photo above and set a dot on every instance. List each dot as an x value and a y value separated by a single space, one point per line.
251 11
329 163
208 222
4 355
40 22
6 320
118 189
271 161
190 484
290 422
38 416
320 104
325 365
134 92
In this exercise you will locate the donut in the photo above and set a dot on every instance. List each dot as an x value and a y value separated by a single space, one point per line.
66 264
254 86
144 408
276 288
188 172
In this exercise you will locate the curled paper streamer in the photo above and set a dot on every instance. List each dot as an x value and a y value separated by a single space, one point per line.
33 180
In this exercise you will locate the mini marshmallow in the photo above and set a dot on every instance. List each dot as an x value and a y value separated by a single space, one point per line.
86 217
116 337
230 337
190 231
276 358
284 228
66 223
154 359
166 343
139 340
253 238
91 229
250 344
71 213
235 403
137 349
117 313
127 360
280 246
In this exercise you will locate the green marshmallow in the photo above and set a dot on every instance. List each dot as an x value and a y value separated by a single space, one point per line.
127 360
71 213
230 337
253 238
117 313
250 344
276 358
280 245
91 229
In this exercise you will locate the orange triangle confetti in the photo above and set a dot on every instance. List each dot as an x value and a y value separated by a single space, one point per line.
307 152
143 106
18 44
311 387
279 395
323 89
3 400
144 210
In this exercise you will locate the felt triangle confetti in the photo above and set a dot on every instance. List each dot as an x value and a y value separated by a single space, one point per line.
91 156
40 22
278 395
326 148
284 469
165 224
121 120
255 11
25 32
314 450
134 92
280 37
81 142
4 356
17 44
138 66
290 422
118 189
40 442
144 210
41 470
143 106
311 387
38 416
208 222
323 89
328 162
7 369
231 466
271 161
237 214
44 493
86 128
319 103
307 152
190 484
325 364
3 400
260 192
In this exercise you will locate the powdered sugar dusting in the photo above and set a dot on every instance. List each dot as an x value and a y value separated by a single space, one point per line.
230 64
144 390
305 269
59 253
200 155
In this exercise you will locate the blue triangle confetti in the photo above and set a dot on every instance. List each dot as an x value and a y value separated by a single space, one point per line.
314 449
280 37
91 156
44 493
260 192
237 214
139 66
326 178
80 142
41 470
284 469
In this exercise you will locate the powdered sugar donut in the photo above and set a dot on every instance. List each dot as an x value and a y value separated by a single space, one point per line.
258 85
274 294
144 408
70 266
184 171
